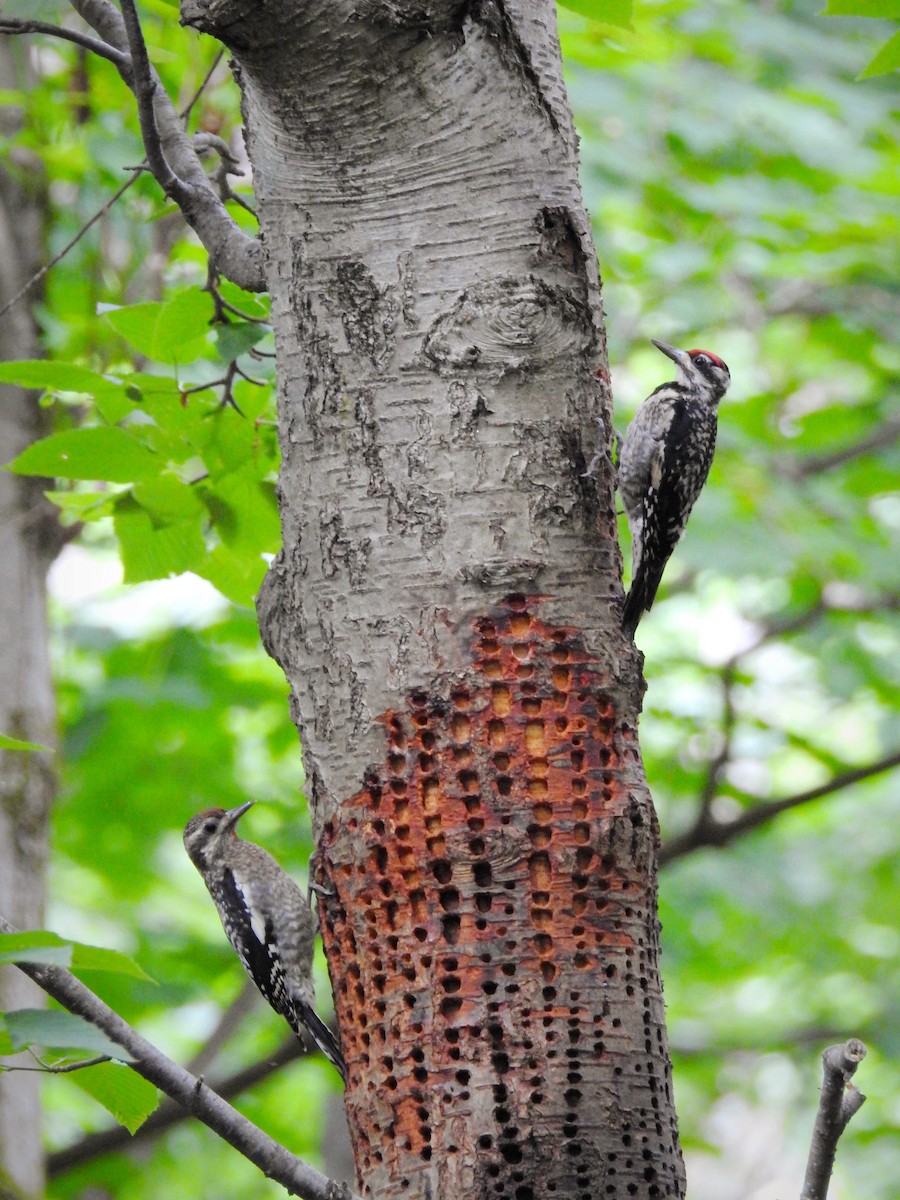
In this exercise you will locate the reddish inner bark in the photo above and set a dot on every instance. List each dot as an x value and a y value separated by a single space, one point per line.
493 935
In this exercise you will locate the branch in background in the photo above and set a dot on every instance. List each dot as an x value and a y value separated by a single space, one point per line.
169 151
720 833
191 1093
108 1141
718 764
96 45
48 266
839 1101
230 1020
816 464
70 244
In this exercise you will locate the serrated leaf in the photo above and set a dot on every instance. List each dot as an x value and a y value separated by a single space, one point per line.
155 550
94 453
55 376
35 945
60 376
609 12
11 743
121 1091
887 59
165 332
168 498
84 506
238 577
237 338
59 1031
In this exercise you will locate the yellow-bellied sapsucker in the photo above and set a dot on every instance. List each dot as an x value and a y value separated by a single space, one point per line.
663 464
267 920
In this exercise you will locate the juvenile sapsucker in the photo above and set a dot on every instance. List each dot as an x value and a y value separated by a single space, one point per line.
267 920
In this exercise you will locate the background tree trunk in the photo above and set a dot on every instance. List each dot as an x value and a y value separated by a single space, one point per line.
446 605
28 533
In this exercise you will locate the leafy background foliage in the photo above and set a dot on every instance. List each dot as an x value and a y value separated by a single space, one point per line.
740 180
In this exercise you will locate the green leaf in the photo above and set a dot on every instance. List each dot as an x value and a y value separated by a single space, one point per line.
167 498
887 59
889 9
59 1031
156 549
42 946
237 338
238 577
121 1091
58 376
109 393
165 332
84 506
11 743
94 453
609 12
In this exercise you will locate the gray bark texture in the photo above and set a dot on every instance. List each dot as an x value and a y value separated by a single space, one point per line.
27 546
447 603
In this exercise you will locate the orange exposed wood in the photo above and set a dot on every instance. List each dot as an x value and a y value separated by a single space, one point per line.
493 935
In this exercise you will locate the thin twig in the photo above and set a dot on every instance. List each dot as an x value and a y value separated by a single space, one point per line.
189 107
298 1177
720 833
48 266
718 764
839 1101
96 45
71 244
63 1068
107 1141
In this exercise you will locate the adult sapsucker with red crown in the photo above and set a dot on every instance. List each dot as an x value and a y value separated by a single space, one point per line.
663 465
267 920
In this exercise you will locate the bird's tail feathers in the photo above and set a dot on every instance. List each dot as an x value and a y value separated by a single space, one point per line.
640 597
309 1021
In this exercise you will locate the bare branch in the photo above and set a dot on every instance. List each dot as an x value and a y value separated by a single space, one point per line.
839 1101
207 78
169 151
718 764
191 1093
880 439
145 87
720 833
169 1113
63 1068
230 1020
96 45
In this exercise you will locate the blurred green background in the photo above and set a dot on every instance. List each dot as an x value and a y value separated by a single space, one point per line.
743 186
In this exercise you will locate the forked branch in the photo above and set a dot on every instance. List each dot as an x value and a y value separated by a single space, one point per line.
839 1101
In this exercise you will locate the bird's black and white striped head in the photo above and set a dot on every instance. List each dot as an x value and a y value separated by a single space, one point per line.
700 370
206 835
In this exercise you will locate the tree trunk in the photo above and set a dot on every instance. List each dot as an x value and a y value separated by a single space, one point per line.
26 694
446 606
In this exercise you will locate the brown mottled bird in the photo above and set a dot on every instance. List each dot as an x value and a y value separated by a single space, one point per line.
266 918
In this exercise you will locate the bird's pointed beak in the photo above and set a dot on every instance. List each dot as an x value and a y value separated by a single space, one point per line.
234 815
681 357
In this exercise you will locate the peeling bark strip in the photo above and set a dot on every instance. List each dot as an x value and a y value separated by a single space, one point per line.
494 918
